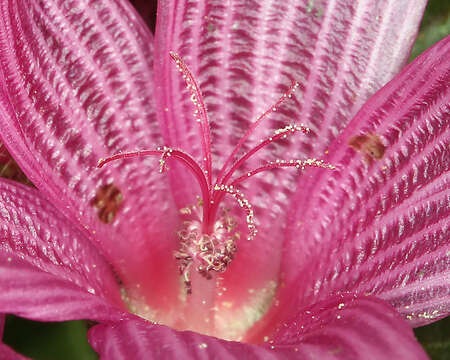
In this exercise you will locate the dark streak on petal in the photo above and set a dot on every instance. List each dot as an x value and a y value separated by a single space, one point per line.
9 168
108 201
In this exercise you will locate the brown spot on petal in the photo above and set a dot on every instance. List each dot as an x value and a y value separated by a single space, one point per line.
108 201
370 145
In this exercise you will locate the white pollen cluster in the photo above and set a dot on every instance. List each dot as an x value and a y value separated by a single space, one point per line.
294 87
292 128
200 113
243 203
191 86
302 164
167 152
205 252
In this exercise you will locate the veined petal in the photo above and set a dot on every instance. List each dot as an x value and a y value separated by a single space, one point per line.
350 328
30 292
48 270
75 86
245 54
364 328
140 339
379 225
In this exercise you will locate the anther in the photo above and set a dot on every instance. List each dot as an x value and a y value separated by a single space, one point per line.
243 203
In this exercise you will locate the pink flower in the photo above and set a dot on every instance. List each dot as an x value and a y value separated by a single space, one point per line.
344 262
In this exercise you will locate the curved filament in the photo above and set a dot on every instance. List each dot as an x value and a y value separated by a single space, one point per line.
299 164
200 113
244 204
270 110
279 134
165 153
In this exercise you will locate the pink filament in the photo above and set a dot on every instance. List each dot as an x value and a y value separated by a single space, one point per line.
254 125
181 156
275 165
253 151
205 130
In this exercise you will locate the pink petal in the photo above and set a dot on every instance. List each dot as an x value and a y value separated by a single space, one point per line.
362 329
244 56
48 269
29 292
379 225
76 86
350 328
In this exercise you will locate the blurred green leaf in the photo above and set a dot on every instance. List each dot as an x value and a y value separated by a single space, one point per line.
435 338
435 26
48 341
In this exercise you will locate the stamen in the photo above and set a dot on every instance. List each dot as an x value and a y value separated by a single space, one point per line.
208 252
165 152
279 134
292 128
270 110
200 113
207 244
131 154
243 203
299 164
162 162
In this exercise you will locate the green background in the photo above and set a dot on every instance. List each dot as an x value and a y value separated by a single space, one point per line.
67 340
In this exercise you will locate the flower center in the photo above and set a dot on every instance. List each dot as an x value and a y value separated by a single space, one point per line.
205 252
208 242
